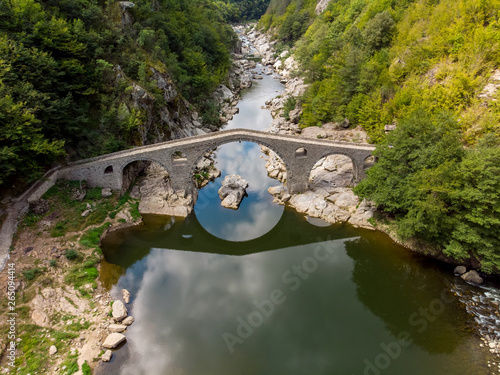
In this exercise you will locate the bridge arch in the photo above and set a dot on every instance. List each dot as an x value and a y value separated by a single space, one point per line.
127 172
356 167
199 155
332 171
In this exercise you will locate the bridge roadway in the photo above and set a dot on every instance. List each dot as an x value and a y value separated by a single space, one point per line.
298 154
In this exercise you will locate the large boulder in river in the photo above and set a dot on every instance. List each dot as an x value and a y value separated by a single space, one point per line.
232 191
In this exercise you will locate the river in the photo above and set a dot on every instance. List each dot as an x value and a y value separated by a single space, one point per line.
263 290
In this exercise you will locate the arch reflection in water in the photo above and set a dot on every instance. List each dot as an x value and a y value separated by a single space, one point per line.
257 214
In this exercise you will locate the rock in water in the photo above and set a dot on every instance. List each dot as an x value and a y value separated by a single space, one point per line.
113 340
106 357
126 295
117 328
119 311
128 320
472 277
232 191
459 270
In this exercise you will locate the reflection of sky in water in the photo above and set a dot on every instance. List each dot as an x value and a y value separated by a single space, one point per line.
251 115
185 302
198 297
257 214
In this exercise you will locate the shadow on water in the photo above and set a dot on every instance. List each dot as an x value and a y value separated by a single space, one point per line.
127 246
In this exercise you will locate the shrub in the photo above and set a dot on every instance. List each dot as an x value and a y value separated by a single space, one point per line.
71 254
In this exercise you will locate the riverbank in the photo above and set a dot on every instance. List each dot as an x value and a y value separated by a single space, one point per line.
62 311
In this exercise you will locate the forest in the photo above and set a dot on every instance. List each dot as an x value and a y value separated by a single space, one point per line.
59 93
430 67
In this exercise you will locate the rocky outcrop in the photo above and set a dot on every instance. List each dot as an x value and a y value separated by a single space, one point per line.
173 120
117 328
491 87
232 191
339 206
159 198
56 300
274 165
332 171
128 321
126 295
322 4
205 170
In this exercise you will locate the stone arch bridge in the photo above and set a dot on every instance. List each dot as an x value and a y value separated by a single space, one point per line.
179 158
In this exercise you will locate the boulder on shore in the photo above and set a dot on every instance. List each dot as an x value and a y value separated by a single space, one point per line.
119 311
232 191
113 340
472 277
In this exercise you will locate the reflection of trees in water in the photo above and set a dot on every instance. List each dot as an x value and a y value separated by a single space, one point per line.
390 279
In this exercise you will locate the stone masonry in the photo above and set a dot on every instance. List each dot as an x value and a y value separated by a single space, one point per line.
179 158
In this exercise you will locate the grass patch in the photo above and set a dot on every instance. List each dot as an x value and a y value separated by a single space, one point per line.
92 237
134 210
31 274
86 370
71 363
63 203
23 311
33 349
83 274
31 219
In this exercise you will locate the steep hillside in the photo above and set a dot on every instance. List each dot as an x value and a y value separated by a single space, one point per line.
431 68
86 77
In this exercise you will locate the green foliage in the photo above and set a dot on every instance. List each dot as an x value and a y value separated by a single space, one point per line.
30 274
288 106
437 190
31 219
86 370
92 237
379 31
83 272
375 62
71 254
